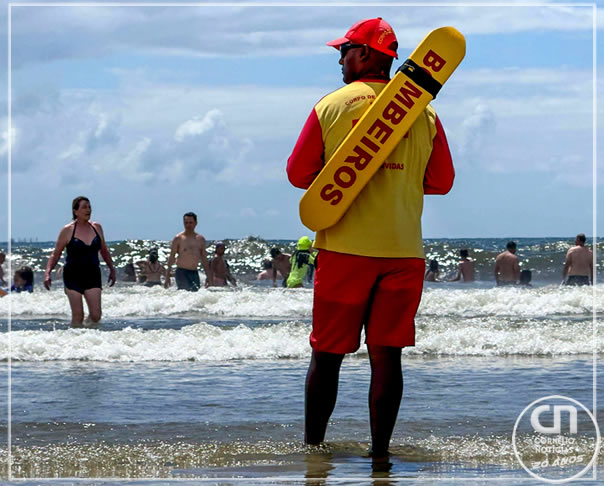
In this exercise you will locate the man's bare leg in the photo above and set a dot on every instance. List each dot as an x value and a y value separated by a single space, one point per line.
385 394
321 393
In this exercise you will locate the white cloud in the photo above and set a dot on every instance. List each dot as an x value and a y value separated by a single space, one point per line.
518 123
199 125
200 139
477 133
106 130
101 126
72 152
131 164
206 145
78 32
559 78
243 135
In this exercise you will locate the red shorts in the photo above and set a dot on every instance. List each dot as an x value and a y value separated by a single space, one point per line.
353 291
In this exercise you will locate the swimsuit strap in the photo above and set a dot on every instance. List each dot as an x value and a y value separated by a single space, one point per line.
91 225
94 229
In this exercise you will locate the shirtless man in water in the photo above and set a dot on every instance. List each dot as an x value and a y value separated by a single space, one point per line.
578 266
507 268
280 264
190 248
465 269
221 273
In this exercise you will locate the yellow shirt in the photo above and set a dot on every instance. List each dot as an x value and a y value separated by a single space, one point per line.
385 218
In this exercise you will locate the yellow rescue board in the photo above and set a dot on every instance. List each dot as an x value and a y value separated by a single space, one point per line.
381 127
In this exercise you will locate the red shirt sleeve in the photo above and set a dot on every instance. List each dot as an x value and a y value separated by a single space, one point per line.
439 175
307 159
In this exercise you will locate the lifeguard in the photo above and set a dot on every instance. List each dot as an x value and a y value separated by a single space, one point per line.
370 265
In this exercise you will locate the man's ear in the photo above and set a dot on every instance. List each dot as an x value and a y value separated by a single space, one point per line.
365 52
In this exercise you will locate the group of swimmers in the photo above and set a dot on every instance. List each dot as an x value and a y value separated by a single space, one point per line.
294 269
578 267
83 241
465 270
150 270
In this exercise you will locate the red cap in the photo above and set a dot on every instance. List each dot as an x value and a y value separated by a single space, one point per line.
376 33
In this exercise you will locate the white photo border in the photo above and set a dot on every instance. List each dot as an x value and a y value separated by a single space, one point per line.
12 5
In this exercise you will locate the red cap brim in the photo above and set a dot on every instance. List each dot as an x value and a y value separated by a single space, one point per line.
338 42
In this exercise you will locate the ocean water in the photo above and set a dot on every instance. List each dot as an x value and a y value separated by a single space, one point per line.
208 386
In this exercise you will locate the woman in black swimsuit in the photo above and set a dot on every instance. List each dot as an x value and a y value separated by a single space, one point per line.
83 241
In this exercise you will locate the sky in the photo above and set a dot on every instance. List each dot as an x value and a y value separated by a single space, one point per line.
155 111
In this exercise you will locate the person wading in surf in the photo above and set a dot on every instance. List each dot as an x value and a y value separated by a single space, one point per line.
301 262
187 249
578 266
83 240
507 266
370 265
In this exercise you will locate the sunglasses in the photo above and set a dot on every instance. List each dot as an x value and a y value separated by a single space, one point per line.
344 48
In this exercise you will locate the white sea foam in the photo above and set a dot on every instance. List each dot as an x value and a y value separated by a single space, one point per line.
139 301
259 302
495 336
205 342
511 301
198 342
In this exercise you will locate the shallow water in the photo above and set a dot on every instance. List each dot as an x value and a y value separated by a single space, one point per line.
243 418
209 386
